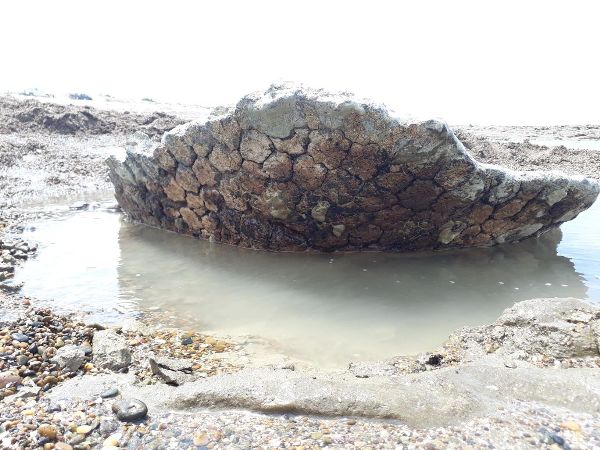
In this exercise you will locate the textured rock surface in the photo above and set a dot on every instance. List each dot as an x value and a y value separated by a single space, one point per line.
293 169
110 350
69 357
536 329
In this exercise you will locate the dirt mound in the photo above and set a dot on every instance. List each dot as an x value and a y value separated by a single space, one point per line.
528 156
34 116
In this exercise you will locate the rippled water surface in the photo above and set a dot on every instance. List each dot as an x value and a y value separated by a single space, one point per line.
325 308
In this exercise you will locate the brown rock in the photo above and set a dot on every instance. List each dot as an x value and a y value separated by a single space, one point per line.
498 227
205 173
365 234
210 223
234 195
328 147
225 159
226 131
186 179
212 199
174 191
182 151
194 201
510 209
190 217
278 166
165 159
255 146
531 212
307 173
363 160
296 145
454 174
420 195
388 219
396 179
480 213
293 169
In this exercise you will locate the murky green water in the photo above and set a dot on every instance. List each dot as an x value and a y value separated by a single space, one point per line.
325 308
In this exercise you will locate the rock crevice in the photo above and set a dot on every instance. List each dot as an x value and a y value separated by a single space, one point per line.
297 169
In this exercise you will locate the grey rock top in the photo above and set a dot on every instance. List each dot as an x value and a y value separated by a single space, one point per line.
296 169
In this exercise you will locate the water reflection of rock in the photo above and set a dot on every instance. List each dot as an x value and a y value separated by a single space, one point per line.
373 304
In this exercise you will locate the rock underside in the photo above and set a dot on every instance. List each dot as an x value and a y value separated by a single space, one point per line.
296 169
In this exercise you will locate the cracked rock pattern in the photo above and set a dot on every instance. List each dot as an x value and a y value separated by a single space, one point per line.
296 169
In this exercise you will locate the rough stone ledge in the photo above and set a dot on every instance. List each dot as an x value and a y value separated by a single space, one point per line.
442 397
296 169
437 397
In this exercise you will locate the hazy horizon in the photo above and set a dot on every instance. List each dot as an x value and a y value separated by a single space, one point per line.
512 63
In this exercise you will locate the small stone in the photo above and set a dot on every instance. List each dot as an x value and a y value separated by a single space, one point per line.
110 350
111 441
128 410
108 426
50 379
200 439
77 439
47 431
7 378
187 341
59 343
22 360
79 205
69 357
62 446
110 392
20 337
83 429
572 426
316 435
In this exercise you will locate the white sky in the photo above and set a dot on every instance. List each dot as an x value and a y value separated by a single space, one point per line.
510 62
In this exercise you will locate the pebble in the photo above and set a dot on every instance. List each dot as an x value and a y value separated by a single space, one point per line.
111 392
47 431
548 437
200 439
572 426
7 378
62 446
77 439
20 337
128 410
111 441
83 429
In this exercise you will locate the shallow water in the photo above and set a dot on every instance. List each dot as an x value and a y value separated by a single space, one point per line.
327 309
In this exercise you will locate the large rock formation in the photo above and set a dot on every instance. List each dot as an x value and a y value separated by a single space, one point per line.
295 169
